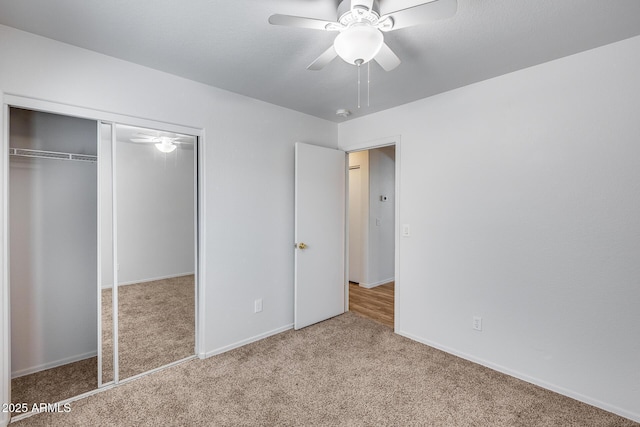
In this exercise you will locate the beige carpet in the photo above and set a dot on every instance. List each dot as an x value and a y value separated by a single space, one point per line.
56 384
157 327
345 371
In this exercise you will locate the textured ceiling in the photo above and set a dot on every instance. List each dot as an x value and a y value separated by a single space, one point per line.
230 44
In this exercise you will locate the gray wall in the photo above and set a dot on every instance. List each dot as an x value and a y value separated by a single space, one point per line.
381 216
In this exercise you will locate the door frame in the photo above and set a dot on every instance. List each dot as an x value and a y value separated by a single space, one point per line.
348 202
10 100
349 148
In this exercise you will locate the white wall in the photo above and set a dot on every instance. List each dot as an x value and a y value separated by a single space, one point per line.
381 216
522 196
155 202
359 217
248 176
53 209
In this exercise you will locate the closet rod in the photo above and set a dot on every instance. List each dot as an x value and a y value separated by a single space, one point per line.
24 152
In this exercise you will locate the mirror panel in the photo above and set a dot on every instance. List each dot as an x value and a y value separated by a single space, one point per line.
155 206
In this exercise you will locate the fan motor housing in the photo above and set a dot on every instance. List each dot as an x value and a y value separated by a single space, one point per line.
346 18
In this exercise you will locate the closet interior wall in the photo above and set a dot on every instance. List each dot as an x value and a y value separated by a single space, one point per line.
53 242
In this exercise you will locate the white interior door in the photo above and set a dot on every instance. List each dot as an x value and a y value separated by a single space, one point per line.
319 234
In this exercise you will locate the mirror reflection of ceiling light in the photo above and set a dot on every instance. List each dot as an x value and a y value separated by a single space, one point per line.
165 142
166 146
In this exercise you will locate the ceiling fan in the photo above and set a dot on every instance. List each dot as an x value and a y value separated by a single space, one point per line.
162 141
361 27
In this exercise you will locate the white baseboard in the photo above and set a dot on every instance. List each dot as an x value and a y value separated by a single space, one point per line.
54 364
546 385
247 341
378 283
153 279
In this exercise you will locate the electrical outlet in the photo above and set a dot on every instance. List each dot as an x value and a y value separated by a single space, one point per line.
477 323
257 305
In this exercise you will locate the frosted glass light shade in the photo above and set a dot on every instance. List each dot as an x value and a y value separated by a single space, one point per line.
359 42
165 147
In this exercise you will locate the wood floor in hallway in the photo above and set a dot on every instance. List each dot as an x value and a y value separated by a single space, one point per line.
375 303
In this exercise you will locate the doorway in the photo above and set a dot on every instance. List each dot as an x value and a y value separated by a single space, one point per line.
321 260
372 233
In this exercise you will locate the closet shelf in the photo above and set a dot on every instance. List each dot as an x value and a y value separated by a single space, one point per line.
23 152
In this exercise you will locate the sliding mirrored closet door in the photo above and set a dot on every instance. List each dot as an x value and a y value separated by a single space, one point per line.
102 253
155 233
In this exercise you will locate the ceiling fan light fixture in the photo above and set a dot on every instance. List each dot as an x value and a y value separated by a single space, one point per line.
358 44
165 147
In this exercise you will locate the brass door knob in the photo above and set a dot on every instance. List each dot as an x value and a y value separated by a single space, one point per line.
302 246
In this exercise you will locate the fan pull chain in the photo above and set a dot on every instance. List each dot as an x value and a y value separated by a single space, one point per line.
368 80
358 85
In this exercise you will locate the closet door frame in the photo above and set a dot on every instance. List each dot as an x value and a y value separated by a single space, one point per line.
5 332
114 288
9 100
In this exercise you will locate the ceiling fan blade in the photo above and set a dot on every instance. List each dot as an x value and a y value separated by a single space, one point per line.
147 140
328 56
416 15
300 22
386 58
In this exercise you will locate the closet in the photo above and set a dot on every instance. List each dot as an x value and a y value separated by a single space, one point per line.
53 254
102 253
